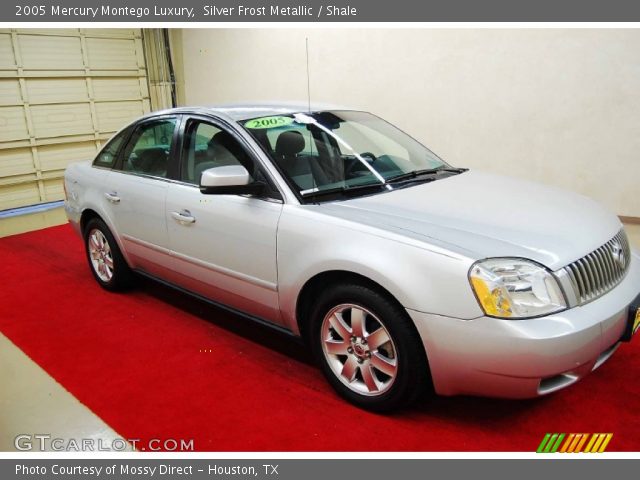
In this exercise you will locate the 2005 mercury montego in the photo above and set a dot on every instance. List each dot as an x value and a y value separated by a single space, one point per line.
402 273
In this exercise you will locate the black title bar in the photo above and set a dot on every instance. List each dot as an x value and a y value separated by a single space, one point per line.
288 469
319 11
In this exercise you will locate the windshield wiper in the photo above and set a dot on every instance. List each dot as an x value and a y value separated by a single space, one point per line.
375 186
343 190
427 171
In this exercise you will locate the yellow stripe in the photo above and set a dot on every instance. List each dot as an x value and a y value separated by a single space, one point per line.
567 442
584 439
598 442
605 443
574 443
591 442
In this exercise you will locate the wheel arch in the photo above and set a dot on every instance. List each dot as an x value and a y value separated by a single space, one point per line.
86 216
313 285
319 281
90 213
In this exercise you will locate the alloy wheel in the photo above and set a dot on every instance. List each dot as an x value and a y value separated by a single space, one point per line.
101 255
359 349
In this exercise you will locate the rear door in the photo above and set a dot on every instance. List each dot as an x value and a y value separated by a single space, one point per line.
224 245
135 193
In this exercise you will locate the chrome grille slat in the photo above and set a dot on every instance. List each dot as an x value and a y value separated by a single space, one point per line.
608 264
626 245
580 277
588 277
597 263
608 278
574 279
616 267
601 270
594 273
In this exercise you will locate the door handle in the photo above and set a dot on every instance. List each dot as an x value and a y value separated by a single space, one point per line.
112 197
183 217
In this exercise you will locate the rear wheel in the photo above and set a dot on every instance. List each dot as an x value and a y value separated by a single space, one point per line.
107 264
368 348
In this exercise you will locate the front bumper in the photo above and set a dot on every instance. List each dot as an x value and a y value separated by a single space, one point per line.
526 358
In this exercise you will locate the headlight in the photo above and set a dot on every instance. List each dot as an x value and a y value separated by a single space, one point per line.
515 288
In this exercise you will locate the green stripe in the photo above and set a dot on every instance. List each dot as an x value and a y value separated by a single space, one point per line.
557 445
550 443
542 444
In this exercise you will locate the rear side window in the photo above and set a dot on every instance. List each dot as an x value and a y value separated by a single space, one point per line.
148 150
107 156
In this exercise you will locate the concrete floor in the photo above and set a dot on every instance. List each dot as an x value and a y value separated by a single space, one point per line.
33 403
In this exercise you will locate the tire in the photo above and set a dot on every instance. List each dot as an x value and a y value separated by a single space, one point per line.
385 366
106 262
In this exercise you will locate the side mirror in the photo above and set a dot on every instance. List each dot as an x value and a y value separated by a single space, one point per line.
229 180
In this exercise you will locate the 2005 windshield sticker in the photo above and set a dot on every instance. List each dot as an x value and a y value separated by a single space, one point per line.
269 122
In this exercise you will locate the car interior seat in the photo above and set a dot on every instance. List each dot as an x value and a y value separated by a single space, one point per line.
222 150
288 147
151 161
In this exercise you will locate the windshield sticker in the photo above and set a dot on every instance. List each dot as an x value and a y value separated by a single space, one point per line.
269 122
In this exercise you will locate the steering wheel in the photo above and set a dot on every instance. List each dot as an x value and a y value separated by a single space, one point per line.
368 157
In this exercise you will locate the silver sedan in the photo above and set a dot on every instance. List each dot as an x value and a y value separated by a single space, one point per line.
403 274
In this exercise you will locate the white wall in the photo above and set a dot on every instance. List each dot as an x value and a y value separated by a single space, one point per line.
561 106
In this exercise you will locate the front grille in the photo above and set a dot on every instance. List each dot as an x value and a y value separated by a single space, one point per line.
595 274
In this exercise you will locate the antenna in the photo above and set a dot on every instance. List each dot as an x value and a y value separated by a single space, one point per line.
311 142
306 44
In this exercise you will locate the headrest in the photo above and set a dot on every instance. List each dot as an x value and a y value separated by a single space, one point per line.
151 159
152 153
222 138
289 143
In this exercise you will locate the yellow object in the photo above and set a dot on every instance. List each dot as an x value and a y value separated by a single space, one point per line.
582 441
591 442
492 301
607 439
574 443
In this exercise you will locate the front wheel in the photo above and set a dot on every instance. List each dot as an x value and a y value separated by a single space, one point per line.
368 348
107 264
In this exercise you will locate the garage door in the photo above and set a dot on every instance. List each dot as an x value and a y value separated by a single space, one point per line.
62 94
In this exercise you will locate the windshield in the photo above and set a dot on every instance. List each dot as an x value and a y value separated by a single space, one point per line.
346 150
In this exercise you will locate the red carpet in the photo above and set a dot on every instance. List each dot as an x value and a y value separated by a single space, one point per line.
135 359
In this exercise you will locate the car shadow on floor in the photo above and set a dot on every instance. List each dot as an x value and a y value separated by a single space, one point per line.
478 410
246 328
474 410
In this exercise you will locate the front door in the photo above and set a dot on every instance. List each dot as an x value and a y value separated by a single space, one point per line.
224 245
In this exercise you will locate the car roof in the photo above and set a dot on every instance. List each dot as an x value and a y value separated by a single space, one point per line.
245 111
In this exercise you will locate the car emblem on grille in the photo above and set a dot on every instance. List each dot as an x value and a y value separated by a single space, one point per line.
617 253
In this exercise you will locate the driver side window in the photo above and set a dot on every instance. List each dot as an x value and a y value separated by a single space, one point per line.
208 146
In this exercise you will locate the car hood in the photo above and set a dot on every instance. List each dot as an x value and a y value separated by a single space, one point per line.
484 215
